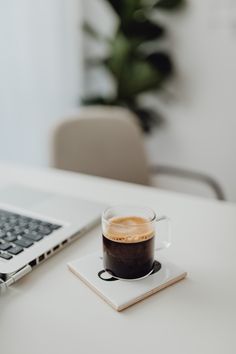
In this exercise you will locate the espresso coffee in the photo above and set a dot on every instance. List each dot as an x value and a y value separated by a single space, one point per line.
128 247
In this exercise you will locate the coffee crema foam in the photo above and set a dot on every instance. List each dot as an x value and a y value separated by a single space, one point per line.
129 229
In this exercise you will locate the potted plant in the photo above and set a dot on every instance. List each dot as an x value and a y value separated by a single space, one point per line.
136 69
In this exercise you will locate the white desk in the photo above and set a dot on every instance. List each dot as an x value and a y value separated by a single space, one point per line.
51 311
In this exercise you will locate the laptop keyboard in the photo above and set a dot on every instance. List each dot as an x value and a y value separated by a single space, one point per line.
18 232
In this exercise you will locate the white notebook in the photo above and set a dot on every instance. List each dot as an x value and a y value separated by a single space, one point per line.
121 294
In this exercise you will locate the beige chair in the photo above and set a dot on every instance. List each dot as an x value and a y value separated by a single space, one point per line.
108 142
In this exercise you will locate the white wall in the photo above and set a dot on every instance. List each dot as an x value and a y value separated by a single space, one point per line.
200 120
200 130
39 73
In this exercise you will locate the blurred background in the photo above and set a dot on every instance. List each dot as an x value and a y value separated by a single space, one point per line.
171 63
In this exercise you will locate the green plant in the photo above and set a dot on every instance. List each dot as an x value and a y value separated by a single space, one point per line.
135 69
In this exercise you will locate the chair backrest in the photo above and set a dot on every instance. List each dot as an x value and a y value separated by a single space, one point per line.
102 141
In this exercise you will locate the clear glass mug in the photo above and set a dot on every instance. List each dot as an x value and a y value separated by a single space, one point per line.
129 246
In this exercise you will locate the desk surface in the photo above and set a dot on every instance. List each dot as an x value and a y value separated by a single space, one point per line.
51 311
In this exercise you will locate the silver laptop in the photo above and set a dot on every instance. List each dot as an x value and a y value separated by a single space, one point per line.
35 224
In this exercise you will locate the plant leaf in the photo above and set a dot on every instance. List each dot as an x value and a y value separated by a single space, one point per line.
117 5
169 4
90 30
125 8
147 117
143 30
137 77
133 74
162 62
92 33
98 100
120 51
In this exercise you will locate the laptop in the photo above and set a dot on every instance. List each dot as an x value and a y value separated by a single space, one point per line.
35 224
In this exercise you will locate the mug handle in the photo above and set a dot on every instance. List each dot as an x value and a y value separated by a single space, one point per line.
165 241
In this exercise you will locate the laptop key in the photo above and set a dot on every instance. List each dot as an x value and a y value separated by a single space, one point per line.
3 218
7 227
26 231
22 223
5 256
45 224
18 229
34 236
33 226
10 238
12 220
2 233
4 246
23 242
15 250
55 227
45 230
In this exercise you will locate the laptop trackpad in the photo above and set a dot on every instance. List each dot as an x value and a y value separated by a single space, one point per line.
67 209
24 197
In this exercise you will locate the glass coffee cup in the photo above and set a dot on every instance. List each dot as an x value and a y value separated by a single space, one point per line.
130 240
